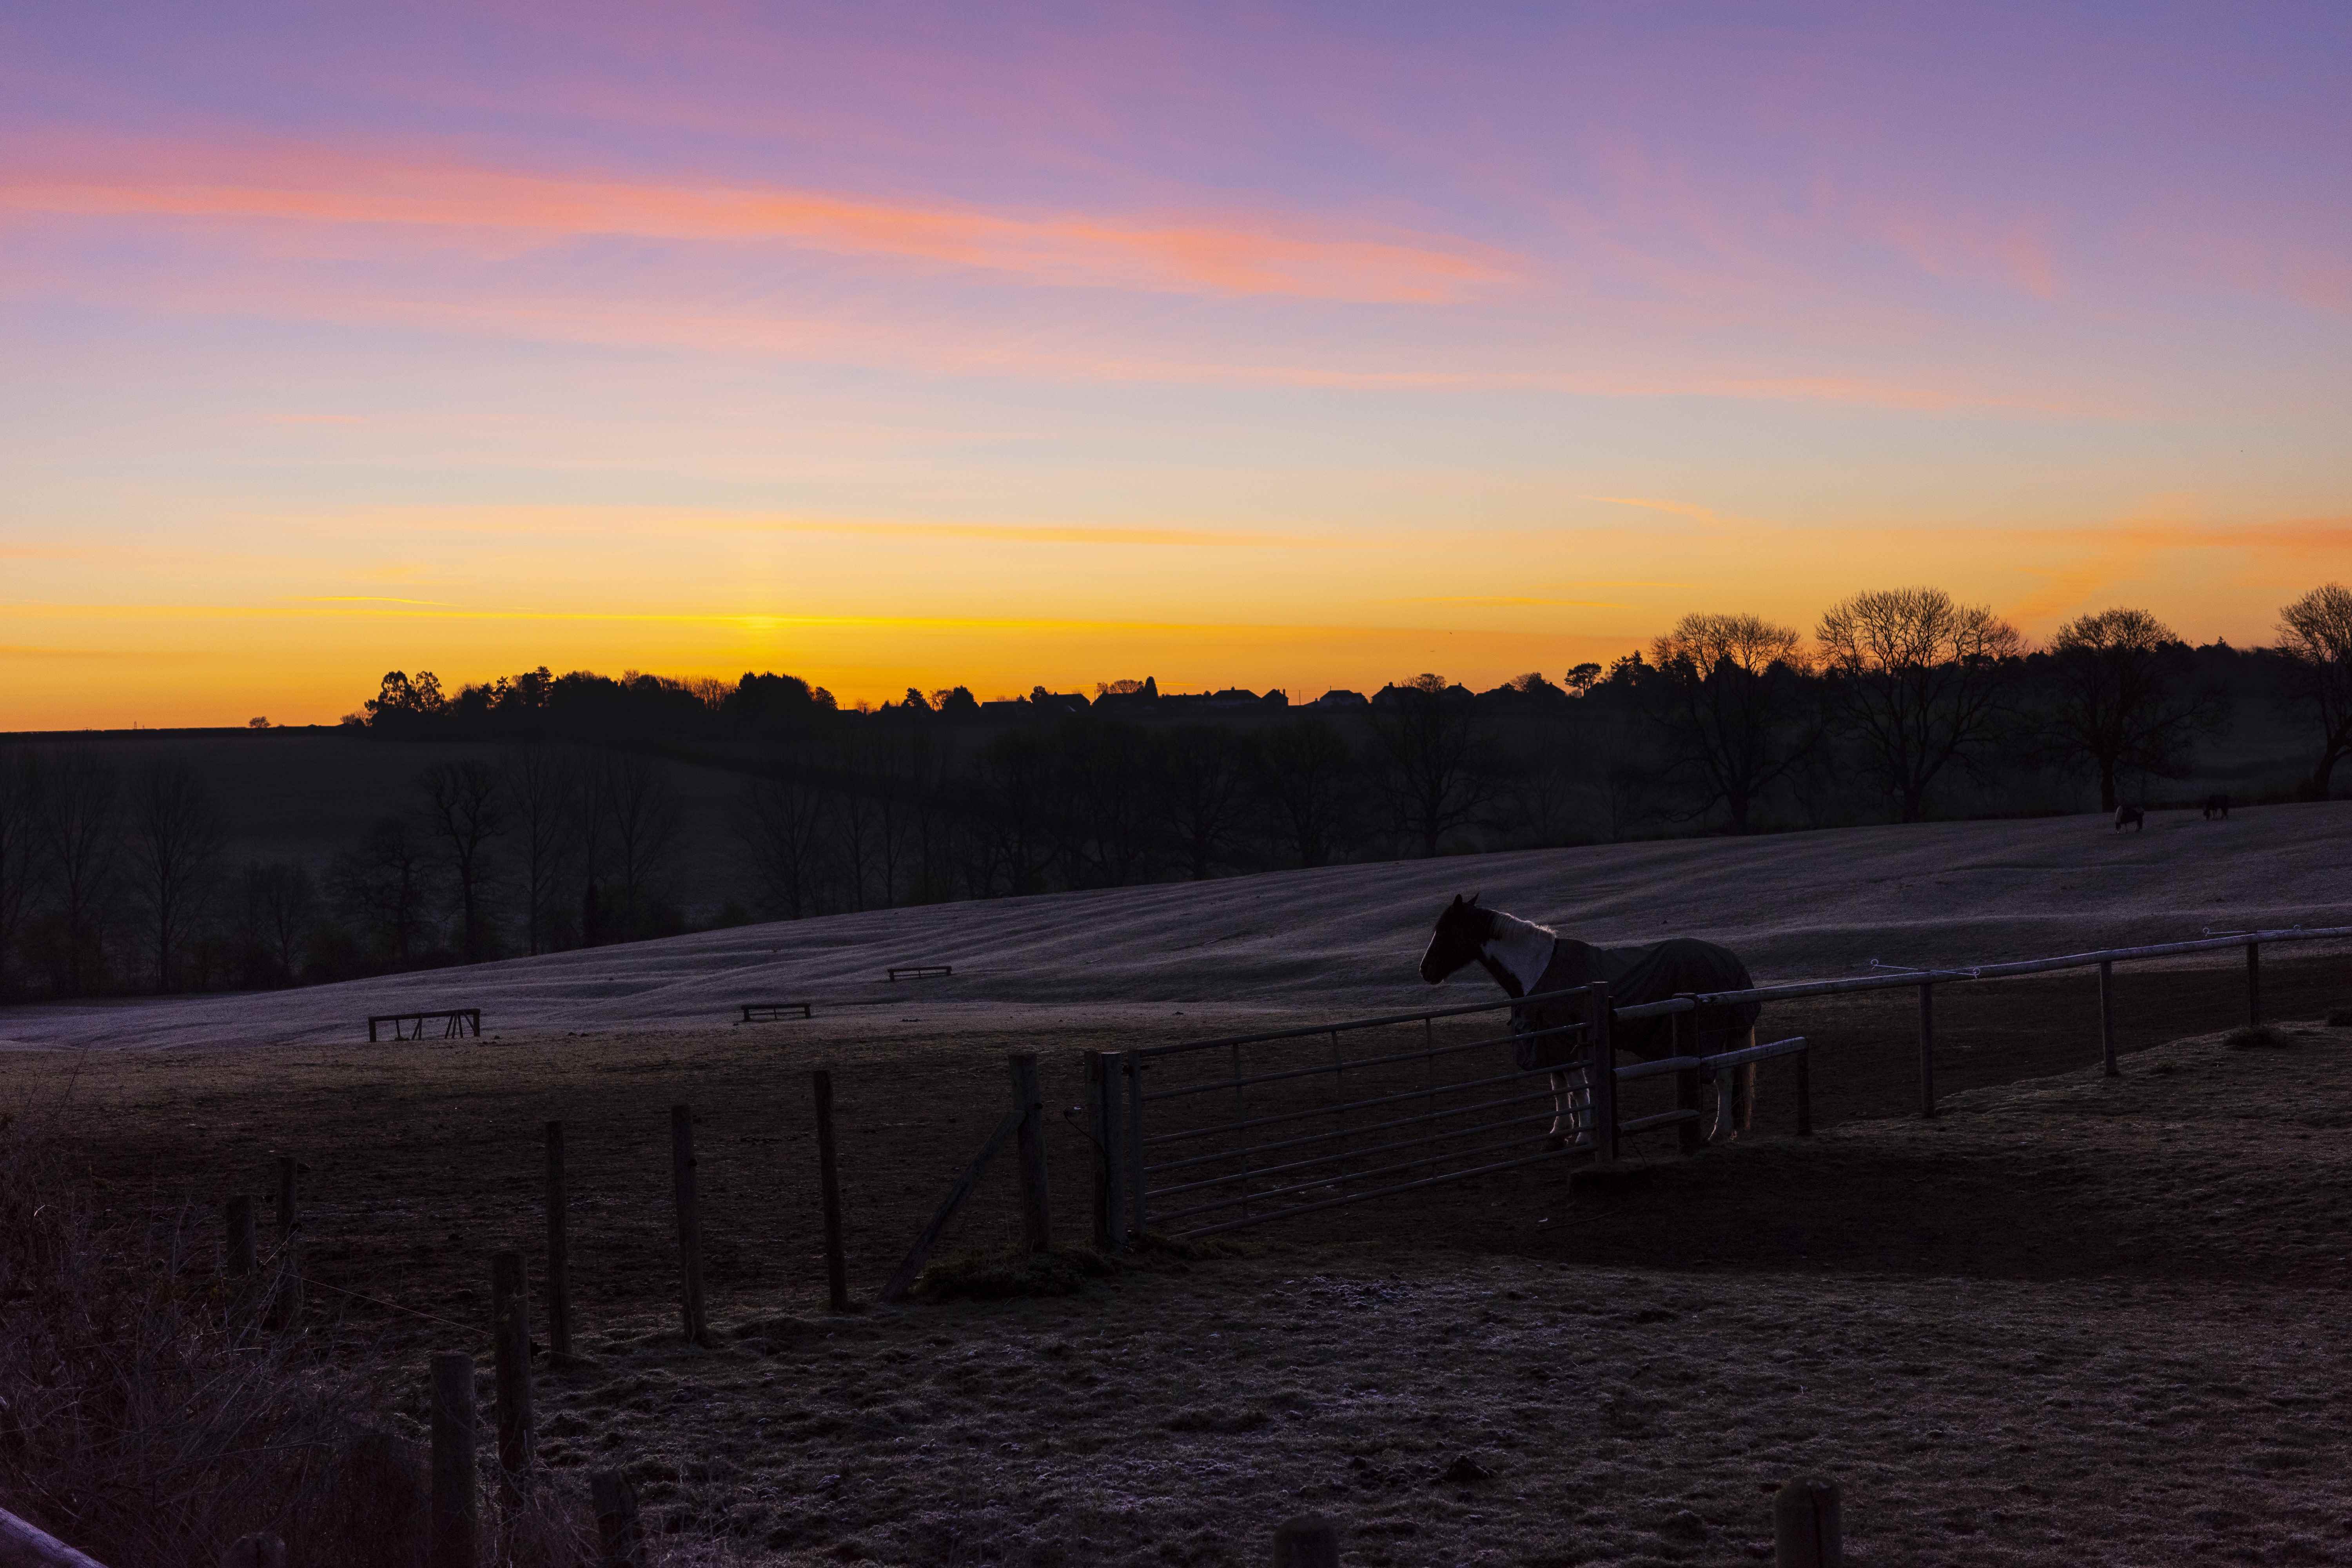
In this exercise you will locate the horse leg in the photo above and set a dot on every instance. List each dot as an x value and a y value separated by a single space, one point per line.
1554 1139
1580 1104
1743 1096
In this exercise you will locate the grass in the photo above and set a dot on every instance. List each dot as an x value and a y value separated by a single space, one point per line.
153 1416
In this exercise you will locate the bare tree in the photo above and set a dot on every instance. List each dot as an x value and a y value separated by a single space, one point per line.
1434 766
281 912
80 796
20 818
174 845
1205 789
782 820
464 805
642 812
1921 682
1305 779
543 786
383 885
1730 691
2316 635
2120 700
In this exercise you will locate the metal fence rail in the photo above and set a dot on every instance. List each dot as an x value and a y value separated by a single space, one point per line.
1234 1131
1212 1135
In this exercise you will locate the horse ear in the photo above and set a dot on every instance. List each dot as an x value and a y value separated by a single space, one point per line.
1457 901
1474 901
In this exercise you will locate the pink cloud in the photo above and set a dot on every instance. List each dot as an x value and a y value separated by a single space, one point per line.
1185 253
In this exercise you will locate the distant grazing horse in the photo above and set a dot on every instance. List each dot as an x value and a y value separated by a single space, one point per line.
2217 805
1527 959
2130 816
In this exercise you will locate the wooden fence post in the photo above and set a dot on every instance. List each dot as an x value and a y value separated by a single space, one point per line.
617 1526
1602 1073
1308 1541
1102 1132
1036 1218
237 1216
456 1516
259 1549
2107 1018
828 1178
558 1251
285 1169
1926 1050
1130 1072
1688 1094
1807 1531
690 1224
2253 984
510 1348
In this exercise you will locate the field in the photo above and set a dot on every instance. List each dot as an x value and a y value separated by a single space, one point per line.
2072 1319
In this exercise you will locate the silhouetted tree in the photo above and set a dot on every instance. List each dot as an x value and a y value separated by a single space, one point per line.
1731 695
280 911
1435 768
1205 777
2120 699
81 836
1920 682
543 785
781 819
1106 827
382 885
1305 779
20 819
2316 635
174 848
644 816
465 807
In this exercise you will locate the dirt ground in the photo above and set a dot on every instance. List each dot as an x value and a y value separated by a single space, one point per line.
2071 1320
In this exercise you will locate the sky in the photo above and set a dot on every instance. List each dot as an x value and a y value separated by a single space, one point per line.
923 344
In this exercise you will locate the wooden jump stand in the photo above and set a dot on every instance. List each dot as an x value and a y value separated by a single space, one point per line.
458 1022
773 1012
923 972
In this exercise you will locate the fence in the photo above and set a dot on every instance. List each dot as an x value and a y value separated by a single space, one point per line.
1213 1135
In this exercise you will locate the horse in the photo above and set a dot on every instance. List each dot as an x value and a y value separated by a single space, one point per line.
2131 816
2217 805
1527 959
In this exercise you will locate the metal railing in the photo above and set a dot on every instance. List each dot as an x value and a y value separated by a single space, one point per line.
1213 1135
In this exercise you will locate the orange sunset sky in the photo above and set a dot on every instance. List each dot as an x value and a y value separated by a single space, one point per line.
1298 346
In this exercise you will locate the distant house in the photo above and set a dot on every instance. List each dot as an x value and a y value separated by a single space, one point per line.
1333 701
1231 696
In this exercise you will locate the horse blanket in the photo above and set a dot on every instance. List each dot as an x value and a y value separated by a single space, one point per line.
1634 974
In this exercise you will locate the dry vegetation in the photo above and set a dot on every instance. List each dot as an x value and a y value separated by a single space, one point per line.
2073 1319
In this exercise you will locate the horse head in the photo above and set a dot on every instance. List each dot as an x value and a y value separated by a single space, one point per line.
1460 937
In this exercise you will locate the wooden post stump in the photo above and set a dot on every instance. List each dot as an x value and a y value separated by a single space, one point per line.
1102 1131
2107 1018
1036 1218
618 1529
1308 1541
828 1179
256 1551
1807 1531
510 1348
2253 984
690 1223
455 1520
1926 1050
286 1215
1805 1092
558 1251
237 1216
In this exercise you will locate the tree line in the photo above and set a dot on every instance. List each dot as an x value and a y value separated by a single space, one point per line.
565 828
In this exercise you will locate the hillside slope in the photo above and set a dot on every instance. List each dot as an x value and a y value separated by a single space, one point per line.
1345 939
